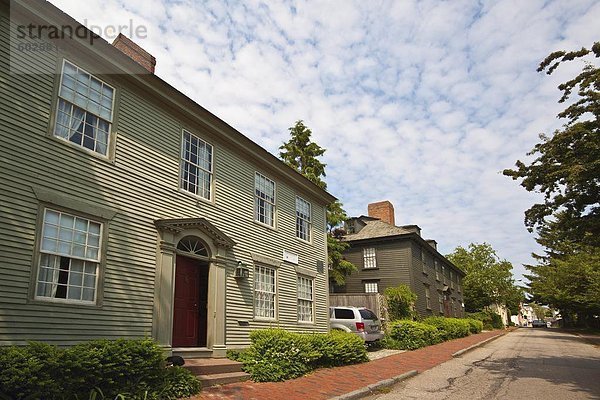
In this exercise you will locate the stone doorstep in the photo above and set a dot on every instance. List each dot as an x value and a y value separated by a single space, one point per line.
216 371
223 379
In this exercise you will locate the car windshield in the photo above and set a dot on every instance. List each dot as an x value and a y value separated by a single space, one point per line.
368 314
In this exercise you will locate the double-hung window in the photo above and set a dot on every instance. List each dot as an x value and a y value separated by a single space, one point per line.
265 292
423 261
369 258
264 202
427 298
196 166
85 109
437 270
441 301
371 287
70 249
302 219
305 299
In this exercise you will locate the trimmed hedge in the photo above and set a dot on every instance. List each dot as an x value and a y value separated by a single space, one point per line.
449 328
277 355
410 335
490 319
134 369
475 326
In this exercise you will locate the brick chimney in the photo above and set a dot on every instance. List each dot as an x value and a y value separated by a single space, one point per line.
135 52
384 210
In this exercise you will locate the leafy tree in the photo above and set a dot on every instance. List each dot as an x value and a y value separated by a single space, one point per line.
567 164
301 154
400 301
488 279
570 282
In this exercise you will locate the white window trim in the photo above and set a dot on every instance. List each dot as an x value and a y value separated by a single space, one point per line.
275 294
371 258
97 261
109 144
308 222
274 204
312 300
212 165
427 298
376 283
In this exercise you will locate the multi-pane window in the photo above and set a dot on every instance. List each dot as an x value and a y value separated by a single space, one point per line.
369 258
444 273
264 203
427 298
423 262
441 301
437 270
264 292
451 279
305 299
69 257
371 287
458 284
196 165
302 219
85 109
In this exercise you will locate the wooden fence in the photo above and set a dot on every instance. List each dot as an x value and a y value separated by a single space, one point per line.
373 301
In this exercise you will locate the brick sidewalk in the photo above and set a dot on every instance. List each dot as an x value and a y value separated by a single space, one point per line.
330 382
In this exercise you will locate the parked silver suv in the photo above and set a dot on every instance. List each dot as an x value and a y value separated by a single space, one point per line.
358 320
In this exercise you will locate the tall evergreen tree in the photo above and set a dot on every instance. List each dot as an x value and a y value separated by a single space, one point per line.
567 164
302 154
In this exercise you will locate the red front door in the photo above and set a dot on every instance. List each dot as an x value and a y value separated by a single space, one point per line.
187 303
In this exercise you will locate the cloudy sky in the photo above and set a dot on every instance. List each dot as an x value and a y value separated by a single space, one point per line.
422 103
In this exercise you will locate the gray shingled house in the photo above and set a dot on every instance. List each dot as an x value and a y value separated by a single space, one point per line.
388 255
129 211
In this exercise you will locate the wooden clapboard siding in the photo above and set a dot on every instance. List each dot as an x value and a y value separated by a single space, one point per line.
141 185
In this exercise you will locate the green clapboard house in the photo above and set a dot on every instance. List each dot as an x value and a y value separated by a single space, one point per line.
129 211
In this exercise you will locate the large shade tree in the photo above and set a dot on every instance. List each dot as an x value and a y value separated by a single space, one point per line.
566 169
488 279
302 154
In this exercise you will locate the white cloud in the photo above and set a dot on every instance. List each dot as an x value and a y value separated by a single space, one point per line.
419 102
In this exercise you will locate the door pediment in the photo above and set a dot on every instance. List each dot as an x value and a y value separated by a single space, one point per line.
179 225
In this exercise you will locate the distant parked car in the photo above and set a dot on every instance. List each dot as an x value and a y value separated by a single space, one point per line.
361 321
538 323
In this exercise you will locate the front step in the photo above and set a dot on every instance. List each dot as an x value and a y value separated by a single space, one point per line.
192 352
223 379
216 371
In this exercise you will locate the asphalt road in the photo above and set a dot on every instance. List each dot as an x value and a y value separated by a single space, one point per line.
525 364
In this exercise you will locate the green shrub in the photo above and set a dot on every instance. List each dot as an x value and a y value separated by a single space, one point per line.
338 348
475 326
490 319
449 328
134 369
128 367
400 301
410 335
276 355
179 382
30 371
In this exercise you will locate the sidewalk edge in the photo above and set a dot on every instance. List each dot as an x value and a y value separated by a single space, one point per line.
370 389
476 345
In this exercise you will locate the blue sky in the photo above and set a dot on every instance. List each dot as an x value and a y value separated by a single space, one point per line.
422 103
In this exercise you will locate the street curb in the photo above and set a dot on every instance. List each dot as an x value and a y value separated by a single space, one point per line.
370 389
476 345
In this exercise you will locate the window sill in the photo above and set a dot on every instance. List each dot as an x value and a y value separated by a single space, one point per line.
269 227
65 302
264 319
307 323
370 269
197 197
84 150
